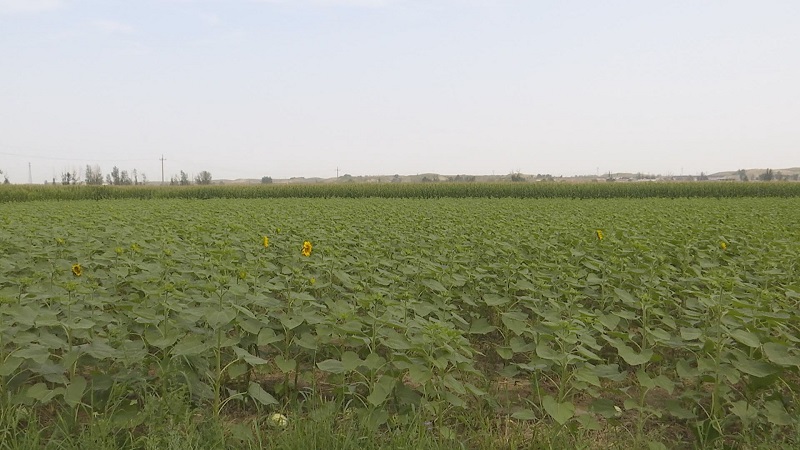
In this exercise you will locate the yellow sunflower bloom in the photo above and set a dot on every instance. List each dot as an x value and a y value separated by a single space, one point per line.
266 242
723 245
599 234
306 251
77 270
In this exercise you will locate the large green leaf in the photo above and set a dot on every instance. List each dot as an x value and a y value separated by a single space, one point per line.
777 414
744 411
691 334
285 365
626 297
381 390
561 412
219 319
248 357
331 365
350 361
267 336
74 391
755 368
747 338
258 393
434 285
515 321
631 357
779 354
10 365
495 299
481 326
190 345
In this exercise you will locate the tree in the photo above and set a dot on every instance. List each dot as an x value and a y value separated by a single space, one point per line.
266 180
742 175
125 179
203 177
767 175
5 178
93 175
68 178
517 177
185 179
115 176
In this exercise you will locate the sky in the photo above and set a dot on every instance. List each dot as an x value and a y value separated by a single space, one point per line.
306 88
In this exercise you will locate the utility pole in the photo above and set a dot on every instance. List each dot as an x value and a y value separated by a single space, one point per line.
30 177
162 169
337 172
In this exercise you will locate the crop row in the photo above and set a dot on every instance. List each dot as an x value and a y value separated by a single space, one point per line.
408 190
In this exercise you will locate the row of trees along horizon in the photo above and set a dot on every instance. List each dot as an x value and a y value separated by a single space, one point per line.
94 176
768 175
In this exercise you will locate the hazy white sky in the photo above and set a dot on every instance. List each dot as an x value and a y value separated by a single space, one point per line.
247 88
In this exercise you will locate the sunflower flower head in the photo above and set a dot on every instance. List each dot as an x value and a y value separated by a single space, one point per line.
723 245
77 270
265 241
306 251
279 420
599 234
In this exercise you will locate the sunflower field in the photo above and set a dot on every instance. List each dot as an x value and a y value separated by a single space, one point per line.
602 315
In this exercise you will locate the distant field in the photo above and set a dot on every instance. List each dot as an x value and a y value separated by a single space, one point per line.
705 189
671 320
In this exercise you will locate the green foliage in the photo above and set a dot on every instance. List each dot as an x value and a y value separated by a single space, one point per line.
683 314
405 190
